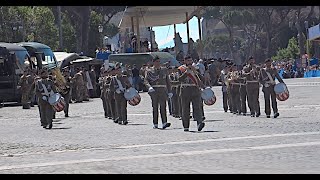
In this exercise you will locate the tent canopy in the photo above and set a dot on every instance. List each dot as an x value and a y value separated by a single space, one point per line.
150 16
314 33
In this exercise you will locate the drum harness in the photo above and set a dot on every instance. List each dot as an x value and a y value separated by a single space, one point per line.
119 84
271 81
153 78
46 94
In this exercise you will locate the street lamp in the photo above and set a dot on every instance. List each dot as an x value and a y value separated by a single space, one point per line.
100 29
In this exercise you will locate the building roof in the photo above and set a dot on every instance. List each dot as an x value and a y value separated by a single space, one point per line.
157 15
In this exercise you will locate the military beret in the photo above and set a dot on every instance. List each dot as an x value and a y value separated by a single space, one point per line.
43 70
267 60
155 58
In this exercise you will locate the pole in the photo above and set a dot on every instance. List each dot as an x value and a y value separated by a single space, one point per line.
188 35
200 37
151 44
175 40
132 25
308 51
60 29
138 35
102 42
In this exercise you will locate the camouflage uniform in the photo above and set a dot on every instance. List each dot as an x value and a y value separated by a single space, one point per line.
190 92
120 101
25 83
268 90
84 92
223 77
67 95
158 79
93 77
78 84
243 94
253 86
175 98
46 110
235 94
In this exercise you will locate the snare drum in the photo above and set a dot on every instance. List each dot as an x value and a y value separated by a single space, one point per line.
57 102
282 92
132 96
208 96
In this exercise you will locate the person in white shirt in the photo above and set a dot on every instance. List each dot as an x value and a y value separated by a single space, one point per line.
201 66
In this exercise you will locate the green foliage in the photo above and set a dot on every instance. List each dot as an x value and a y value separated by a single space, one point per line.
69 34
292 51
46 31
38 24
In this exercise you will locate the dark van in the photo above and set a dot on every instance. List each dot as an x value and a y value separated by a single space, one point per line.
13 61
40 53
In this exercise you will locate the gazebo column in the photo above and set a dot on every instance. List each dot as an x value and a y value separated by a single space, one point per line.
132 25
200 38
175 39
138 34
188 35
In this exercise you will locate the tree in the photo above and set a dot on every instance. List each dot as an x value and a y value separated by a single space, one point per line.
68 34
228 16
292 51
95 38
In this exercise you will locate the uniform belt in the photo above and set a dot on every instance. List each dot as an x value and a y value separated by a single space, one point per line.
188 85
159 86
235 83
252 81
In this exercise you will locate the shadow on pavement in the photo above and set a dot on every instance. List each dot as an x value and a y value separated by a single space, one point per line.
136 124
212 120
202 131
53 128
287 117
56 122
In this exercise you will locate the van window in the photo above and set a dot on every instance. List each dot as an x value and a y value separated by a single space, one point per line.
5 67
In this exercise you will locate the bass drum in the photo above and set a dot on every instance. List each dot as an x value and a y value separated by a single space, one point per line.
57 102
132 96
282 92
208 96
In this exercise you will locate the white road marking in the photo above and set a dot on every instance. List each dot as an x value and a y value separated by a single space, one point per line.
160 144
220 139
185 153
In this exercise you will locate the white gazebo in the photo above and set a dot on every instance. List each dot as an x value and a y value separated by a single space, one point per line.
149 16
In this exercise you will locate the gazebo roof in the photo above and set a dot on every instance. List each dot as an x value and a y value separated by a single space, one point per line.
150 16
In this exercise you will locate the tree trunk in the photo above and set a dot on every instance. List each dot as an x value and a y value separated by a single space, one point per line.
79 37
60 29
85 28
300 39
268 43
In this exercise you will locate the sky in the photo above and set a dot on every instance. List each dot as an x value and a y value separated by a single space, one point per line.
164 34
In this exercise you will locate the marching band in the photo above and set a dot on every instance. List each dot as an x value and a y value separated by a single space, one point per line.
179 86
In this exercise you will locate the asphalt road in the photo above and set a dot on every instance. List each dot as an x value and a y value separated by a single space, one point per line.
86 142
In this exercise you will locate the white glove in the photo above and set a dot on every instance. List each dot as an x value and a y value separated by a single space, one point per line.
118 91
170 95
151 90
